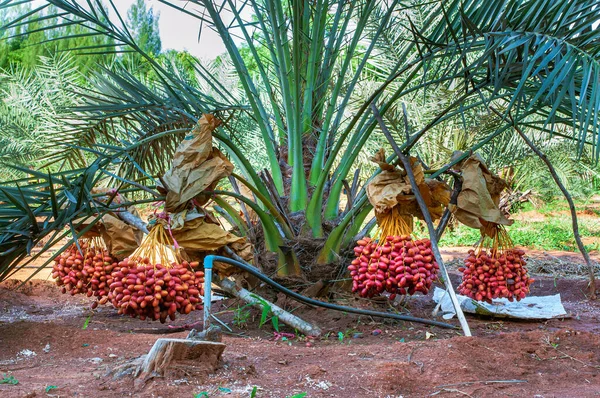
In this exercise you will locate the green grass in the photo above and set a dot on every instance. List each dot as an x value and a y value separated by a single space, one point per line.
557 205
459 236
553 233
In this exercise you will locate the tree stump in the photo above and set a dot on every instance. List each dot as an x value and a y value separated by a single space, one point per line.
190 356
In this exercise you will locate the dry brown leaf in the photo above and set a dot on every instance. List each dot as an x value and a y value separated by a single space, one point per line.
380 159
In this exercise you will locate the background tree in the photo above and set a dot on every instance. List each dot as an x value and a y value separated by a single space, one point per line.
143 24
532 63
35 35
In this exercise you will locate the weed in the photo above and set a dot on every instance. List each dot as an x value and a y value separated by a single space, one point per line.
86 323
241 315
496 326
266 311
349 333
548 342
9 379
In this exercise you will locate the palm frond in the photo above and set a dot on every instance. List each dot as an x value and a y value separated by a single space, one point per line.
528 54
39 206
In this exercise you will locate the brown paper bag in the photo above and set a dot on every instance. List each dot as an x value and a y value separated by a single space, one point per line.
198 236
120 238
391 188
196 167
477 203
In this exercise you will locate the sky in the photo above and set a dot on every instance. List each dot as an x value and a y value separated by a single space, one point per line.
178 30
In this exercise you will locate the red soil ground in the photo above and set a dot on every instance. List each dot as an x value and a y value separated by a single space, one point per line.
555 358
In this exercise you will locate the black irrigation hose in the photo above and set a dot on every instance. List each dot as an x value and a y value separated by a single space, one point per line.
252 270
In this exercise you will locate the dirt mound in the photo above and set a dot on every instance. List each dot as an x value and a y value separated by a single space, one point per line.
35 287
509 364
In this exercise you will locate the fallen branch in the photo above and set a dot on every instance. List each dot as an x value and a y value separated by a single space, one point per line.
251 298
454 390
306 300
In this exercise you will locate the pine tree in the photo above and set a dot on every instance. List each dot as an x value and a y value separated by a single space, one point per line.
143 24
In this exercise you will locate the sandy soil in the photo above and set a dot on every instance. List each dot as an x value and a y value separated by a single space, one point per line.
555 358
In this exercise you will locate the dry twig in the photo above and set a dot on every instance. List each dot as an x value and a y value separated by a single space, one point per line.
468 383
547 342
443 390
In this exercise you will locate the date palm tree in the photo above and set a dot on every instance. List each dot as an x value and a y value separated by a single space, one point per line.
527 63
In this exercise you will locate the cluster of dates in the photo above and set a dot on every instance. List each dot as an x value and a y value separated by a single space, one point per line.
395 264
154 291
490 276
86 271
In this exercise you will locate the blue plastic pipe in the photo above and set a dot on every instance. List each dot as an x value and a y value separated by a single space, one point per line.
208 266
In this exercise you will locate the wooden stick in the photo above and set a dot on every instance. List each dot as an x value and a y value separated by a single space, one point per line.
454 390
580 245
252 298
427 216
